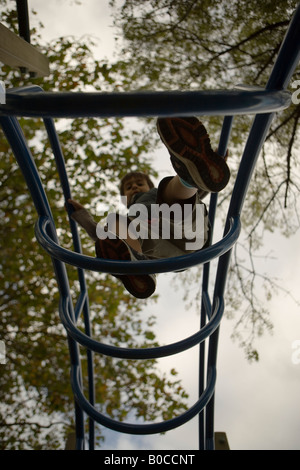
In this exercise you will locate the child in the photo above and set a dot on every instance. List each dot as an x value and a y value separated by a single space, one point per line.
199 170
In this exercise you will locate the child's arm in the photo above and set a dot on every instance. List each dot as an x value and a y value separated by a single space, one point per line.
83 218
77 206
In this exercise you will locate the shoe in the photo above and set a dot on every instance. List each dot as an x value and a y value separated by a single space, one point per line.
191 154
140 286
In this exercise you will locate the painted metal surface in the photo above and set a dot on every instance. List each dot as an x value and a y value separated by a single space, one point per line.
32 101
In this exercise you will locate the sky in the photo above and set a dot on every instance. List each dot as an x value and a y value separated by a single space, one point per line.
257 405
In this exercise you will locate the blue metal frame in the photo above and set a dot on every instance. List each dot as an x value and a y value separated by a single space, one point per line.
32 101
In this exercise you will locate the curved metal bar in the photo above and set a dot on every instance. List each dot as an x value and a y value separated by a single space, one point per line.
135 267
151 428
288 55
32 101
19 146
144 103
140 353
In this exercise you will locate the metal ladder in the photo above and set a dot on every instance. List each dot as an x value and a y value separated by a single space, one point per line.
34 102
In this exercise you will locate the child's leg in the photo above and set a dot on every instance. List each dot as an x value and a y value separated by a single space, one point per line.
175 190
119 226
125 247
191 154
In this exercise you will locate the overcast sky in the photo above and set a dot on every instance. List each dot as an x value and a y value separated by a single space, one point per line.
256 405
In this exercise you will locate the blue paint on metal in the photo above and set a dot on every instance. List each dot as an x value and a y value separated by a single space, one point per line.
32 101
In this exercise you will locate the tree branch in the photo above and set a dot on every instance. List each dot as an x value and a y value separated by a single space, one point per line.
263 30
266 208
288 159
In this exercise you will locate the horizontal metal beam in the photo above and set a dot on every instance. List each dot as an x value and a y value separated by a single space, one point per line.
145 103
16 52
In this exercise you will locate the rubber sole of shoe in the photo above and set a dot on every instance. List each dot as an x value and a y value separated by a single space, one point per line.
187 140
140 286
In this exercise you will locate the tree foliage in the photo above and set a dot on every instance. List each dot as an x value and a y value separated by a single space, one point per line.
205 44
36 400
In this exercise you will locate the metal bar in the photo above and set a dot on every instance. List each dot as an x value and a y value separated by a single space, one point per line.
136 267
206 309
288 56
152 428
23 19
83 300
16 139
147 103
139 353
264 103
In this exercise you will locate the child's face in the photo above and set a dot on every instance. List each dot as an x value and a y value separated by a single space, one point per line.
135 185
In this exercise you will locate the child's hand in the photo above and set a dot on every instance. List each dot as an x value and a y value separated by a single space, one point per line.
76 205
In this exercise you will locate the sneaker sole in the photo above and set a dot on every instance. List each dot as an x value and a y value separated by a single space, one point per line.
140 286
187 140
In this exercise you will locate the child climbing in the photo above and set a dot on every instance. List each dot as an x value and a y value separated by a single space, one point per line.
167 221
